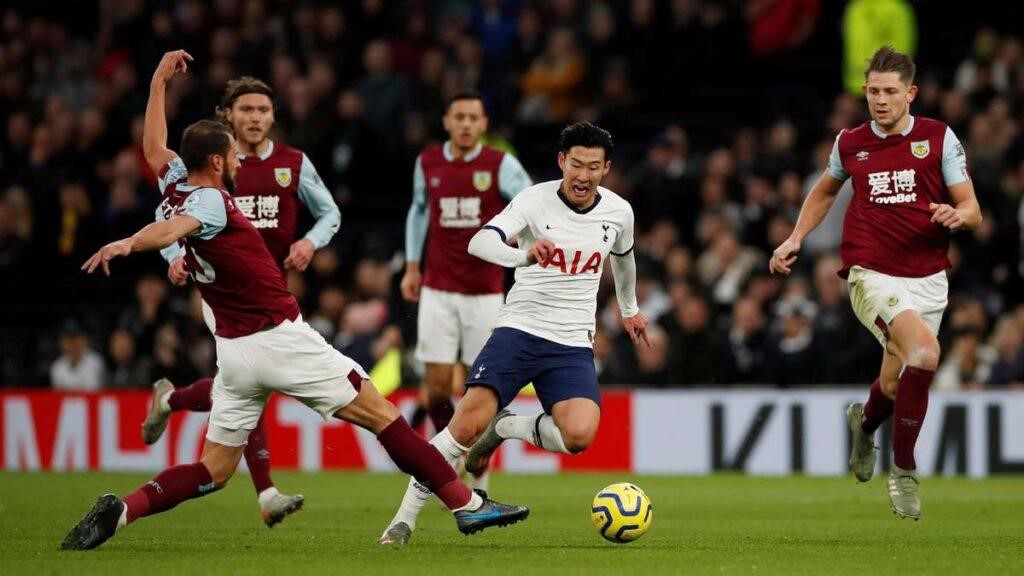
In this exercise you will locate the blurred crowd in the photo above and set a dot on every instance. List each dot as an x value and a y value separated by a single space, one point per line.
723 112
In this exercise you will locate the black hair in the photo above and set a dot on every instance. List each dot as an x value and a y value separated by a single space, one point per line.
202 140
586 135
464 95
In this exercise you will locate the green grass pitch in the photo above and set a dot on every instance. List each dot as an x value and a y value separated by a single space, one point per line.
706 525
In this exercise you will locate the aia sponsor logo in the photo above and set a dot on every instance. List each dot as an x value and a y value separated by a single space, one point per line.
558 259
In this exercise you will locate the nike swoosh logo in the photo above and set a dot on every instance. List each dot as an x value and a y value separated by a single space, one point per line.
488 516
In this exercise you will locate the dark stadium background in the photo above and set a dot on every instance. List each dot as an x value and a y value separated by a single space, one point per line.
718 132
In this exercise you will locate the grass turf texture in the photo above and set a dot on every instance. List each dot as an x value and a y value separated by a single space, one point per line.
706 525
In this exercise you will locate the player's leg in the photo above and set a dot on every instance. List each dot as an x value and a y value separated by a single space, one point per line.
567 387
864 419
437 383
303 365
493 386
167 399
165 491
918 348
438 348
472 415
274 506
477 317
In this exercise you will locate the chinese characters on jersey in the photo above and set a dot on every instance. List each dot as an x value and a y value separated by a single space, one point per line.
895 187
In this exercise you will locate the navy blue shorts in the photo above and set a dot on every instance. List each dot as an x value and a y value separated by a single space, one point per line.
511 359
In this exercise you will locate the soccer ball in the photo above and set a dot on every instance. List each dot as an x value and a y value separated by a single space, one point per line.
621 512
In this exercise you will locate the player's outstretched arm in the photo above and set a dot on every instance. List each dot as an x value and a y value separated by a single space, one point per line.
153 237
154 130
965 213
815 207
488 244
624 274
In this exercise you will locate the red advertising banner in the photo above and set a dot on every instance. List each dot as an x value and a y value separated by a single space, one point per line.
46 430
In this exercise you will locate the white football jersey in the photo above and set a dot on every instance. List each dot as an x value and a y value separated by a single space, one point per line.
557 299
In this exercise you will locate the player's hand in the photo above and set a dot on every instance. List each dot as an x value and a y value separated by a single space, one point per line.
784 256
636 327
946 215
106 254
172 63
541 250
411 282
176 272
300 255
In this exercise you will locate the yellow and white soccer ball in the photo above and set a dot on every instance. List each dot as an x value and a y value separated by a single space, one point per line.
621 512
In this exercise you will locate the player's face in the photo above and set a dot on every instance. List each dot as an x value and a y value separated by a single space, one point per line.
251 117
231 164
465 123
582 171
888 98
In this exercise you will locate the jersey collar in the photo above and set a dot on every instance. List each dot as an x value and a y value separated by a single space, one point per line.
878 131
472 155
265 155
571 206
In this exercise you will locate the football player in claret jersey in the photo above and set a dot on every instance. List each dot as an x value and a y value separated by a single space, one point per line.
566 229
457 187
911 189
273 180
263 345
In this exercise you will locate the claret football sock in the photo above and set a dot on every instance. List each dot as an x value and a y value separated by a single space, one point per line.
257 458
414 456
911 406
877 409
195 397
168 489
417 495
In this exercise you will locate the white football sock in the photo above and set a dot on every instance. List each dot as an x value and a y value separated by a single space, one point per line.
122 520
416 494
267 496
475 502
538 430
481 482
164 402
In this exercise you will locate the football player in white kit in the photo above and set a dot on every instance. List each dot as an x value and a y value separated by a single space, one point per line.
566 230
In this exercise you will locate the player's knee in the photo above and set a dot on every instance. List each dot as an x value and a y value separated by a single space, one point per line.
889 387
578 437
924 355
467 427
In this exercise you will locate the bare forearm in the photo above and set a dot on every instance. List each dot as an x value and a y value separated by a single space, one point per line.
154 131
160 235
816 206
970 212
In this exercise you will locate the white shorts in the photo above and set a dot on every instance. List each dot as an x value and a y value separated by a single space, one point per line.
290 358
211 321
878 298
450 322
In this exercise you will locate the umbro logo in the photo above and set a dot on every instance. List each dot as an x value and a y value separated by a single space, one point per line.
862 155
435 182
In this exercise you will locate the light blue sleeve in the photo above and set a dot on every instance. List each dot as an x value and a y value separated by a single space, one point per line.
318 199
207 206
835 165
175 172
172 252
954 160
512 177
417 220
